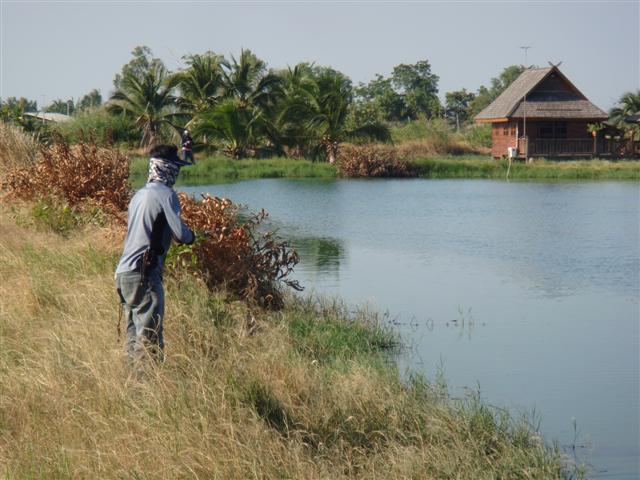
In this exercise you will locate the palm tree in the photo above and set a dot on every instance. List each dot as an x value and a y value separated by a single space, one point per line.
628 105
200 84
149 99
246 80
326 108
235 126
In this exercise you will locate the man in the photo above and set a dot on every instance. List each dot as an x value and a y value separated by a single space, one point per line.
153 219
187 147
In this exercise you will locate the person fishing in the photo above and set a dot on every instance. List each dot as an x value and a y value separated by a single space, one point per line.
153 220
187 147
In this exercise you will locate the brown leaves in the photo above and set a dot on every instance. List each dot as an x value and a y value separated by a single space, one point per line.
80 174
236 254
372 161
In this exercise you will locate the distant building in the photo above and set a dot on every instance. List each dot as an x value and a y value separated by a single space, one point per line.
47 116
542 114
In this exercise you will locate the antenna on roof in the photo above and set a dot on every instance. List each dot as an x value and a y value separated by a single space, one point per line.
556 65
525 48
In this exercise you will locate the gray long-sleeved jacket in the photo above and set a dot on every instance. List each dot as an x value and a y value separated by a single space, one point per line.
154 218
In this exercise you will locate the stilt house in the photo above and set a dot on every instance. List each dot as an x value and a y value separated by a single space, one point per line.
542 114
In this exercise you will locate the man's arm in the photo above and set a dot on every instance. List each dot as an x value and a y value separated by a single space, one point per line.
179 230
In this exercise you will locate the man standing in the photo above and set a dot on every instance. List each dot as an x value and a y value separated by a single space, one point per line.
187 147
153 219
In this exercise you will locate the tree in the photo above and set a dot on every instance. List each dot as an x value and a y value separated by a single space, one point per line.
236 126
141 63
498 84
201 85
629 104
377 101
90 100
419 88
148 99
327 108
457 106
246 80
60 106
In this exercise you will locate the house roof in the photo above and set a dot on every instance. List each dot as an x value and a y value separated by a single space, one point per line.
509 103
48 116
635 118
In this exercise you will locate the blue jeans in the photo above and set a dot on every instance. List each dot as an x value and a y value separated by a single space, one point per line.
142 303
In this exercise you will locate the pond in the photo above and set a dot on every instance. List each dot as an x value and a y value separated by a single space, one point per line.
528 292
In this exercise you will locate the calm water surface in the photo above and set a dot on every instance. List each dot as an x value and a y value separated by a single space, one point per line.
529 290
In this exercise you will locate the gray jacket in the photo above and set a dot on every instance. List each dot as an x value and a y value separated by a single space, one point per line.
153 219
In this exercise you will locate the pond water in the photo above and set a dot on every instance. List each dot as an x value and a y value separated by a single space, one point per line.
527 291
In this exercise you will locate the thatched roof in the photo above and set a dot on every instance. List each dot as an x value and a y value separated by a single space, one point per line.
635 118
567 102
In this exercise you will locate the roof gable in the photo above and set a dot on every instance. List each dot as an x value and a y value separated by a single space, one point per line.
549 94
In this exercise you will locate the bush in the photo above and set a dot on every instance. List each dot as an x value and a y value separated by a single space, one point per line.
98 126
82 176
236 255
372 161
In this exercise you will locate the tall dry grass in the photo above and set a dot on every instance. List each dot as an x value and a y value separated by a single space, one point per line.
17 148
300 393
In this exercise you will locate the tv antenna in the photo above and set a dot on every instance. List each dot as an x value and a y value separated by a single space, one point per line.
525 48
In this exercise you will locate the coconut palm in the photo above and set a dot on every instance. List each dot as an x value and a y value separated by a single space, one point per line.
629 104
246 80
326 108
149 99
200 84
236 127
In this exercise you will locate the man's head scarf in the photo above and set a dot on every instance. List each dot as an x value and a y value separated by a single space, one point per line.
163 171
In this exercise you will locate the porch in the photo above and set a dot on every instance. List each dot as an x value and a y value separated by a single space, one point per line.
577 147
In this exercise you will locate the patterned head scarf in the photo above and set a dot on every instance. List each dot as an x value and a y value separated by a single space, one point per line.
163 171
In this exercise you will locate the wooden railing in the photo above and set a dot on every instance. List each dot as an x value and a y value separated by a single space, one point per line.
568 147
553 147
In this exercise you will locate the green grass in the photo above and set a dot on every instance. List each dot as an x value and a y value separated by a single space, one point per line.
218 169
485 167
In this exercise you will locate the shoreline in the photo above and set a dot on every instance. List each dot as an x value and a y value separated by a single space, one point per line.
210 170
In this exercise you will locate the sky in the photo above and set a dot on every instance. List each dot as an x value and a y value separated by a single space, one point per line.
63 49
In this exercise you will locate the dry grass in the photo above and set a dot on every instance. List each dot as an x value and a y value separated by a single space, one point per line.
299 393
17 148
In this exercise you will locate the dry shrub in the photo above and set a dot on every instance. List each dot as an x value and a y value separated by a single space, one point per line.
236 254
17 147
81 175
372 161
429 147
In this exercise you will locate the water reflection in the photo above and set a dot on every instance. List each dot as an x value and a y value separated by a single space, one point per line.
319 255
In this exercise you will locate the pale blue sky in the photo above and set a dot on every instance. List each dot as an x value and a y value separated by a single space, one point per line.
62 49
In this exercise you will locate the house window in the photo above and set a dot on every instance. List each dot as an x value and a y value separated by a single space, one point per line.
553 130
505 131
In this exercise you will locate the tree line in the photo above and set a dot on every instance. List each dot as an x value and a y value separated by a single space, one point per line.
243 108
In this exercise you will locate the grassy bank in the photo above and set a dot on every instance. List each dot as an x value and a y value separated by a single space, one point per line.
485 167
220 169
306 392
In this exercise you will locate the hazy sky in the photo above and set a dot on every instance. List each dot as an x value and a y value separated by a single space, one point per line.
62 49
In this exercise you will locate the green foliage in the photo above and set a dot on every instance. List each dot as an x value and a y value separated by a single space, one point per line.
419 87
200 84
51 214
65 107
142 62
236 127
629 104
457 106
98 125
93 99
148 99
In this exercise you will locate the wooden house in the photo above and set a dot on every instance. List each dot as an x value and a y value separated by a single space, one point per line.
542 114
